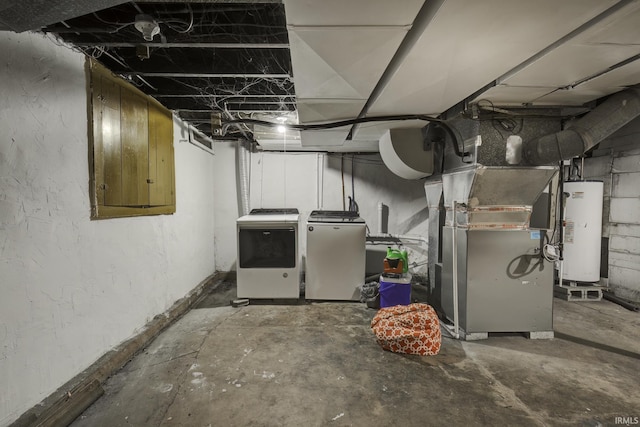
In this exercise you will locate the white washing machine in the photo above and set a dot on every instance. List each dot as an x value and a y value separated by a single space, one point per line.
268 263
336 252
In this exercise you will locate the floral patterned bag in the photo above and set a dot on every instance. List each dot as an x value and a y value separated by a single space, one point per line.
412 329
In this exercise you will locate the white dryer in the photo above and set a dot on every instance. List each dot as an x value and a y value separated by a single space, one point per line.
268 261
336 252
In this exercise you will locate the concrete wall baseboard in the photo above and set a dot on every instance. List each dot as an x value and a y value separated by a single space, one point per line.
61 407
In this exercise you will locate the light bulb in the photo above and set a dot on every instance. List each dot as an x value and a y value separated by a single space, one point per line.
147 26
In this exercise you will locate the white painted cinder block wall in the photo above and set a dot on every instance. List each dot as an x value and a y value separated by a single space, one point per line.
616 162
71 288
310 181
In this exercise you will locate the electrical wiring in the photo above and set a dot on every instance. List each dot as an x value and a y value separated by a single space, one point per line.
196 98
340 123
362 160
104 21
189 26
349 122
495 113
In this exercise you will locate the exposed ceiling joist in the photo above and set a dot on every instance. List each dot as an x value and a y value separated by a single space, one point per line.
360 57
196 75
230 58
225 96
198 45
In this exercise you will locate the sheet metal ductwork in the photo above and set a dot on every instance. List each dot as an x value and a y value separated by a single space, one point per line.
587 132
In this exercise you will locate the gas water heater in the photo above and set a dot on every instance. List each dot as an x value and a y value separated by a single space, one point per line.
582 231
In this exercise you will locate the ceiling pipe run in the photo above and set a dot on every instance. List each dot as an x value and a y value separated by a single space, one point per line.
618 110
424 17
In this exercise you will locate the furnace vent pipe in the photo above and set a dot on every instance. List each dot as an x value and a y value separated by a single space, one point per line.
587 132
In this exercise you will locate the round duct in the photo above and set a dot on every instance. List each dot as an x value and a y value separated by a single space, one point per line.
403 151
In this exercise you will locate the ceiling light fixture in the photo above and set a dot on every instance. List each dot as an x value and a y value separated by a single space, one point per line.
147 26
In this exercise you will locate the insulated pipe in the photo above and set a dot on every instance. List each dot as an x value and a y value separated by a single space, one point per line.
587 132
243 177
380 217
320 178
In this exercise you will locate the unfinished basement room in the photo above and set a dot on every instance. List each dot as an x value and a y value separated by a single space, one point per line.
319 213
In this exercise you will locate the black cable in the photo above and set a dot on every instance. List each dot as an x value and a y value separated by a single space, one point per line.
349 122
340 123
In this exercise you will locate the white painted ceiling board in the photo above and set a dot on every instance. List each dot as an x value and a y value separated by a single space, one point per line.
322 110
623 28
342 62
604 85
569 64
598 48
625 76
572 97
339 50
325 137
470 44
351 12
513 95
373 130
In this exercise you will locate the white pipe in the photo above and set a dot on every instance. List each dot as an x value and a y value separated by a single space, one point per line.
320 180
380 217
454 266
243 178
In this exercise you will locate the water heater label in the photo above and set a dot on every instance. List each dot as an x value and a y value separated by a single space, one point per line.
568 232
535 235
578 194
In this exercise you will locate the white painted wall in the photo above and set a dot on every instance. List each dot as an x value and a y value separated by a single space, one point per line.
310 181
70 288
617 164
227 208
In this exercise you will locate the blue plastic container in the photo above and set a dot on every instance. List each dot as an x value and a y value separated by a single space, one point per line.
395 291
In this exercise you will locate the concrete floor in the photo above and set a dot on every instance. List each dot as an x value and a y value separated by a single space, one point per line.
319 364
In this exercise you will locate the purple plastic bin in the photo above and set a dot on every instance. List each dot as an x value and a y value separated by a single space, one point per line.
394 292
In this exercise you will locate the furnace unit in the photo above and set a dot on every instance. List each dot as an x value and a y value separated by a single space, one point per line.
492 261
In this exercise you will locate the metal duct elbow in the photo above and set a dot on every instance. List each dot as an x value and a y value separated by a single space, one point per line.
587 132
